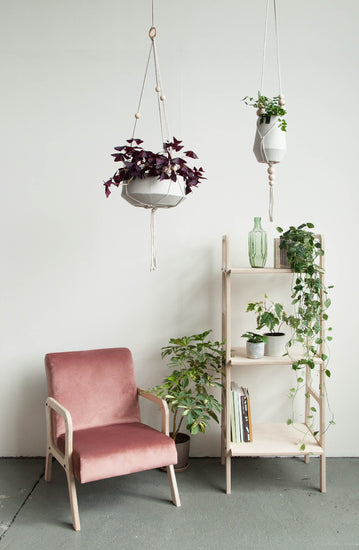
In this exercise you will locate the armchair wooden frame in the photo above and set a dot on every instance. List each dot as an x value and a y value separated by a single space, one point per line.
65 459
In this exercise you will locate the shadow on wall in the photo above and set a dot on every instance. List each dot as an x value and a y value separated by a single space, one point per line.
199 292
29 412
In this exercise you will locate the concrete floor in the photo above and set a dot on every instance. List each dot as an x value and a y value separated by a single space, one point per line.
275 504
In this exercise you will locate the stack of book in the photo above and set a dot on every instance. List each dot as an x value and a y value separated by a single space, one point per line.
241 424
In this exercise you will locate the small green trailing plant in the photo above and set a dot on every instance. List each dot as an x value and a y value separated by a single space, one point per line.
311 301
196 364
268 107
254 338
269 314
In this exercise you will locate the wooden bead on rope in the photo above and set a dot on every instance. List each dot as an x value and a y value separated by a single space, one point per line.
271 175
162 97
137 115
158 89
281 100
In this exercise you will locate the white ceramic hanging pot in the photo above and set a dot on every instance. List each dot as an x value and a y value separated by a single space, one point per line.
154 193
270 141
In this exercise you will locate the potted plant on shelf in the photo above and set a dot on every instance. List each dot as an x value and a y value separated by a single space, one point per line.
154 180
311 301
196 363
270 142
254 345
272 316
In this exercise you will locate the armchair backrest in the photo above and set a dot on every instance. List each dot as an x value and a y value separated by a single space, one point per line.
98 387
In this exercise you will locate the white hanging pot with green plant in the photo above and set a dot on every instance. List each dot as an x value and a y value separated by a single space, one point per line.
270 143
270 139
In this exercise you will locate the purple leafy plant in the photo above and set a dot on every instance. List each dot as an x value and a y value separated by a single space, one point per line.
139 163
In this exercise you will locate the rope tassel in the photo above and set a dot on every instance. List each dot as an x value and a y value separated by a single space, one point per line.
153 240
271 177
271 202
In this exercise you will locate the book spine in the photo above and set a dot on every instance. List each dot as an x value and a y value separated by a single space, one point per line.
246 435
250 418
239 417
233 422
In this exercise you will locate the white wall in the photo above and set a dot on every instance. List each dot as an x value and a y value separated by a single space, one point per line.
75 266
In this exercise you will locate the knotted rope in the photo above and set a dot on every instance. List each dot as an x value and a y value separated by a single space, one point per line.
280 95
161 99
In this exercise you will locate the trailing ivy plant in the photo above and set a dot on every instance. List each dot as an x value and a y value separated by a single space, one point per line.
310 300
268 107
196 364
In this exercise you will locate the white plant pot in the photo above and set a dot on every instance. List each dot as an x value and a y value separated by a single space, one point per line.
270 141
275 344
255 350
154 193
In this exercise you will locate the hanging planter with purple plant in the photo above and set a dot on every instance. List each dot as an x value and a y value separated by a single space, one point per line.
154 180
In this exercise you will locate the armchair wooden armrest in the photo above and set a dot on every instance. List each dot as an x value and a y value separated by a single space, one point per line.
51 403
65 460
163 406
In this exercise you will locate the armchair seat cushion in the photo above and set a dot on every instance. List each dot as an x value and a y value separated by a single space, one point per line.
117 449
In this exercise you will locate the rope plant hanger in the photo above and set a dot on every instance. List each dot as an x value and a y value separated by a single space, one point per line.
154 180
270 140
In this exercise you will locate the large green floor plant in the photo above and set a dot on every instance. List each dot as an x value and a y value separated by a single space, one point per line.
311 301
196 363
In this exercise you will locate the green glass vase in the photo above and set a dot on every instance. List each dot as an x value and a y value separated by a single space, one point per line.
257 245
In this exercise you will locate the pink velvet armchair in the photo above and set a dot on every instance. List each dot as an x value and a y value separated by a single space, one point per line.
93 421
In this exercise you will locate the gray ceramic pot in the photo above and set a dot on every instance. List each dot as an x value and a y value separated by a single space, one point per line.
255 350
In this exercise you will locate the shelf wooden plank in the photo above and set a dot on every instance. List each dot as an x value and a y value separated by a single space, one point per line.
278 440
244 270
239 358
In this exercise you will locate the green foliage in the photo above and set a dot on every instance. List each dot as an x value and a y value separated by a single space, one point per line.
309 298
253 337
196 364
269 314
269 107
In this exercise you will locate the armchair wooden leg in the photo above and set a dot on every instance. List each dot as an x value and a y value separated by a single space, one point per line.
73 501
48 465
173 485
